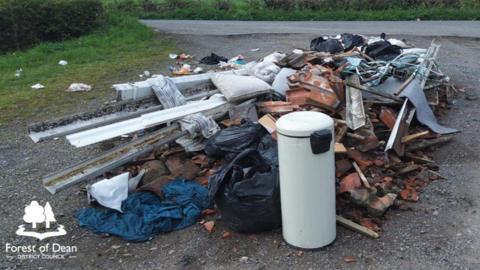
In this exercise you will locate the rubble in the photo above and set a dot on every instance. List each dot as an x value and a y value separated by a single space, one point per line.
383 95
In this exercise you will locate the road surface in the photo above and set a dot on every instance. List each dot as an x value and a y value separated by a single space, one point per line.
411 28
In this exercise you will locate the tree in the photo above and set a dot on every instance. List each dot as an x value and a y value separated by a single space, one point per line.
34 214
49 216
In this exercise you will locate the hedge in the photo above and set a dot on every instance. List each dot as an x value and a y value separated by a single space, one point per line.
24 23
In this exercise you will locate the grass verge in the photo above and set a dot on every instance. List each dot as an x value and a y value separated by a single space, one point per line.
122 46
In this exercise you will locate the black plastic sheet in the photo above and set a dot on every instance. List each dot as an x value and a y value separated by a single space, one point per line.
383 50
213 59
350 41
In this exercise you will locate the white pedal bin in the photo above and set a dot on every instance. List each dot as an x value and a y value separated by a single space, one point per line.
306 150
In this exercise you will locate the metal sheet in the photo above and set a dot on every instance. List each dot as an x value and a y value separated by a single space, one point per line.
414 93
111 159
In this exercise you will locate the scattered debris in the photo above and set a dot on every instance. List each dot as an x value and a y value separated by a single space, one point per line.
145 214
209 226
213 59
383 94
18 73
226 234
350 259
38 86
110 192
78 87
356 227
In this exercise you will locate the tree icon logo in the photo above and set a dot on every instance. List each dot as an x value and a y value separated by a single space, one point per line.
36 214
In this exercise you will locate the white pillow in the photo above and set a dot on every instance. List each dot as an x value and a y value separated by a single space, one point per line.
237 88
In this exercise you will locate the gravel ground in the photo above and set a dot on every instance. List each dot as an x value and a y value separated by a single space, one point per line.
441 231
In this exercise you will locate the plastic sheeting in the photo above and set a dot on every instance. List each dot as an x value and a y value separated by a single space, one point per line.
350 41
110 192
213 59
424 113
169 95
280 84
329 45
382 50
355 113
145 214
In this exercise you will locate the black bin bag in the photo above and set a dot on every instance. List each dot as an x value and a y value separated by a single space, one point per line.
228 142
247 193
329 45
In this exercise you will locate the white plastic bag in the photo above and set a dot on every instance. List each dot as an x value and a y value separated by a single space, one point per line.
110 192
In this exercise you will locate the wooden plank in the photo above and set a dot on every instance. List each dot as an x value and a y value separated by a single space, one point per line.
427 143
356 227
412 137
340 148
419 159
362 176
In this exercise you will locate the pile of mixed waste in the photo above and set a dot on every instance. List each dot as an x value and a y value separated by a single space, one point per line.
206 140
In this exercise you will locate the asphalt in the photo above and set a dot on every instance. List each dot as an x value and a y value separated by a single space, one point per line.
411 28
441 231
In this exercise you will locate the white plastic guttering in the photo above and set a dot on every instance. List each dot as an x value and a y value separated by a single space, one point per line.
103 133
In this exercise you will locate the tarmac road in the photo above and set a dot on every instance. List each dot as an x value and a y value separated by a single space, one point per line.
412 28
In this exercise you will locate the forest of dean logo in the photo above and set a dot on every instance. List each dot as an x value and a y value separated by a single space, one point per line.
42 220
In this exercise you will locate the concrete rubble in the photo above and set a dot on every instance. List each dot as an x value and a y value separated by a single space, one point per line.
383 96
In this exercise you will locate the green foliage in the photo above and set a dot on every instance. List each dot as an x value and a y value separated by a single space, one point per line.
27 22
280 4
114 53
223 4
304 9
470 3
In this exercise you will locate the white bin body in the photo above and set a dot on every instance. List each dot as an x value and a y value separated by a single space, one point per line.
307 181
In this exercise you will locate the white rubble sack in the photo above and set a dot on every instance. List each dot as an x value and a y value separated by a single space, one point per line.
274 57
265 71
238 88
79 87
267 68
62 63
110 192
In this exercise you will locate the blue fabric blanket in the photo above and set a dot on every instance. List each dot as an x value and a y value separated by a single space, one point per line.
145 214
